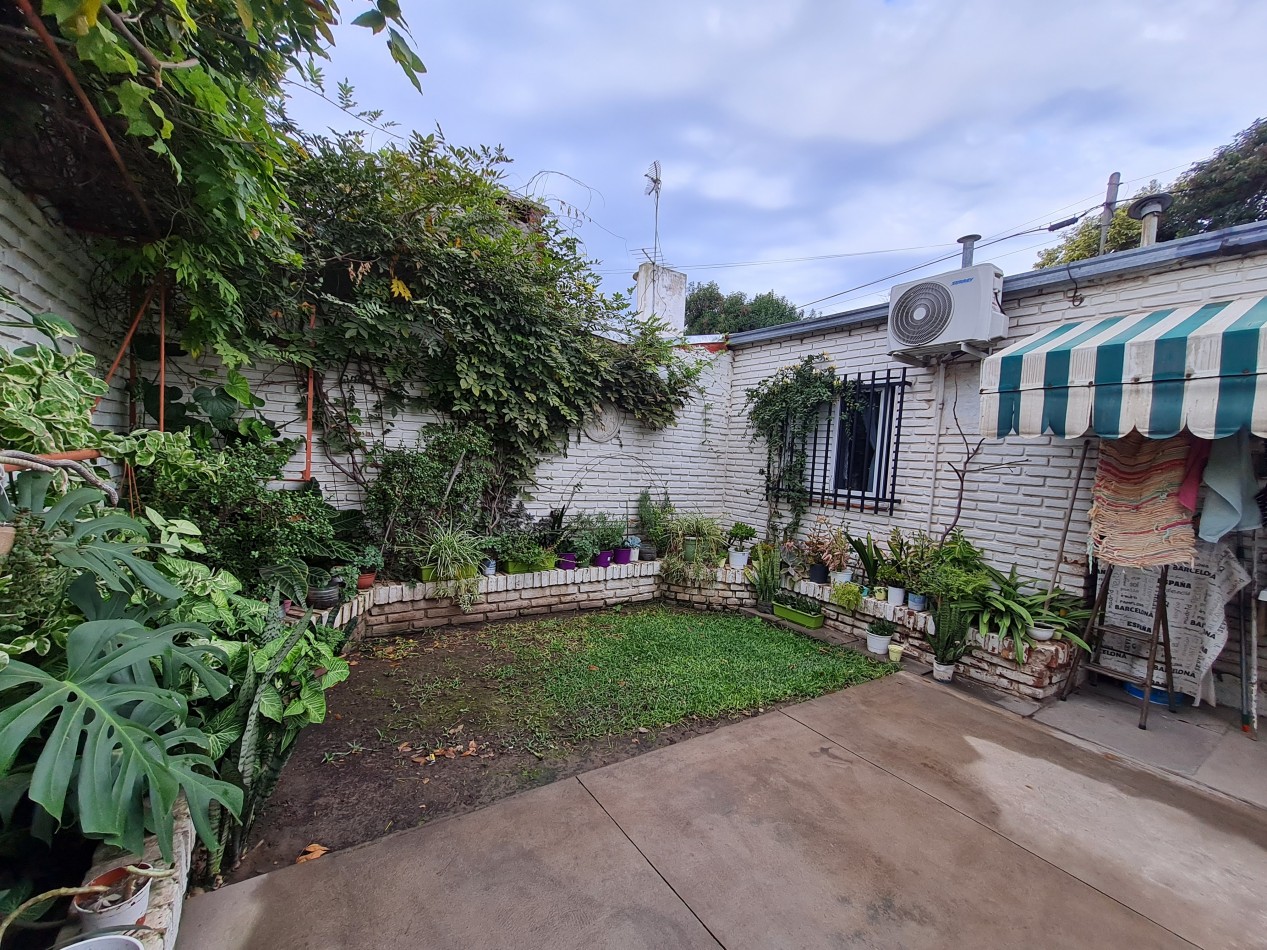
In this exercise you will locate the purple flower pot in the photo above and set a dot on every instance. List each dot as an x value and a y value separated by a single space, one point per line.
623 555
566 562
602 559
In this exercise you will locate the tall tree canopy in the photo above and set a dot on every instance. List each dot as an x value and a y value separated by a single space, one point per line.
708 310
1227 189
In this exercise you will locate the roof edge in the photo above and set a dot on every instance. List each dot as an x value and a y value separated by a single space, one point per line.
1241 239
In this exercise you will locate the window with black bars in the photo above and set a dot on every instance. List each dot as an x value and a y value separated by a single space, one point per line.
853 455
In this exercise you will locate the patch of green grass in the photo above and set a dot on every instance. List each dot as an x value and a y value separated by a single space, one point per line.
610 673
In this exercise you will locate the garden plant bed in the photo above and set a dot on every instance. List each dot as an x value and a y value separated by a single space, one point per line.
453 719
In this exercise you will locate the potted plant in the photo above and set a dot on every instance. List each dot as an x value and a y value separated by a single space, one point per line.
837 554
124 901
917 595
740 538
880 635
765 573
628 550
609 534
698 537
816 546
846 596
488 566
653 521
520 553
893 577
802 610
870 557
324 589
451 553
369 562
582 542
949 640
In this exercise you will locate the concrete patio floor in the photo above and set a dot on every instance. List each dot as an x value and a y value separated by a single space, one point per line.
893 814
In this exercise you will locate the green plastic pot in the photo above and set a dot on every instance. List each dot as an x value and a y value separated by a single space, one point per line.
520 567
428 573
808 621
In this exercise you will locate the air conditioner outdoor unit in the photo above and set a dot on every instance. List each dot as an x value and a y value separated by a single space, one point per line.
958 311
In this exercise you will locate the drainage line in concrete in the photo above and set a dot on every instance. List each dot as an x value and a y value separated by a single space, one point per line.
650 864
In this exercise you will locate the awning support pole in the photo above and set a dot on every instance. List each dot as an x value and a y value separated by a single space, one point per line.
1064 531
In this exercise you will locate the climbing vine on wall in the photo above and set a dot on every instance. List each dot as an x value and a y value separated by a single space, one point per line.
784 411
421 275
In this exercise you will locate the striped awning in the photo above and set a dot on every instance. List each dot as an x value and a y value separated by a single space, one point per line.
1200 368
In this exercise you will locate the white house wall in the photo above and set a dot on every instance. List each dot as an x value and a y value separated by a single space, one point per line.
48 269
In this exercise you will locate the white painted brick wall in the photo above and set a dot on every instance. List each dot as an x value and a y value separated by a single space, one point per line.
48 268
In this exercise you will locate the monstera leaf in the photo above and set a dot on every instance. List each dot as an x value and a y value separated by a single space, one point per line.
107 735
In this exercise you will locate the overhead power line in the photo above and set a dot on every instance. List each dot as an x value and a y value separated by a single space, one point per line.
789 260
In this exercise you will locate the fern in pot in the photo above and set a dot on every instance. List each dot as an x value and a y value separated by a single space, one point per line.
451 553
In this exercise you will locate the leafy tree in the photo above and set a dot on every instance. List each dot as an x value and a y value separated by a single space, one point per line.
193 96
708 310
1227 189
417 283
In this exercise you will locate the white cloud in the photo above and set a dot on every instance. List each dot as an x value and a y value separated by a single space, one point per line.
798 129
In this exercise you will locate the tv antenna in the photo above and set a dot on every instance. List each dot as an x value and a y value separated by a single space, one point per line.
653 188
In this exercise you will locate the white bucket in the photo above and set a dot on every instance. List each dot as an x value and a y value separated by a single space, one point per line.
878 645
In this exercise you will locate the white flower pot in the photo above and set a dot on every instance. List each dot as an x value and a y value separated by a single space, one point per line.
106 942
126 913
738 560
895 652
842 577
878 645
943 672
897 595
633 554
1042 631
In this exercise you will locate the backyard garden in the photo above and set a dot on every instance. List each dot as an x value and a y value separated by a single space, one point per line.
168 595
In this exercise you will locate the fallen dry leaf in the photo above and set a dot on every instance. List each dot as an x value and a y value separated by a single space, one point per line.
593 668
455 730
425 781
422 759
404 747
311 853
471 749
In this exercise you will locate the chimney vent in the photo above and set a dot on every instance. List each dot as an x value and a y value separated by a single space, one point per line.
1148 211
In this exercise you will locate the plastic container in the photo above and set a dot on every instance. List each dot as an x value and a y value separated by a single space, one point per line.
126 913
1158 696
105 942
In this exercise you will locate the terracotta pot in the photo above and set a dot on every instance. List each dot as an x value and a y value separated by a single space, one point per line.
366 580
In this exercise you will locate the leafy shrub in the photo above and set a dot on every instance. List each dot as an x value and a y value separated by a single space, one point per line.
806 605
446 480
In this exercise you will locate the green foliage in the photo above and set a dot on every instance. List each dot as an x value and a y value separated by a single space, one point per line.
784 411
46 395
654 517
799 602
846 596
881 628
452 551
1227 189
871 557
447 479
740 535
521 547
103 735
708 310
765 572
949 636
211 127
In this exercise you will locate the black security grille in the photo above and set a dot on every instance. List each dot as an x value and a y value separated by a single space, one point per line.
853 461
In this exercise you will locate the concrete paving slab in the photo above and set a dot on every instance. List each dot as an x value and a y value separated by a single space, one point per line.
1237 766
1172 741
1192 861
777 837
544 869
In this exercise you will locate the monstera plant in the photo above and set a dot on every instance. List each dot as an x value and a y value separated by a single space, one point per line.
96 729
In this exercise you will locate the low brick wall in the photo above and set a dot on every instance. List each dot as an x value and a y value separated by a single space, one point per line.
729 592
399 608
991 662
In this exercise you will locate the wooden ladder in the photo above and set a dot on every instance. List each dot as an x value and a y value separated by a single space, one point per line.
1094 636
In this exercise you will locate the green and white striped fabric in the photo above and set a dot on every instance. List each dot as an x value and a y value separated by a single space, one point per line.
1200 368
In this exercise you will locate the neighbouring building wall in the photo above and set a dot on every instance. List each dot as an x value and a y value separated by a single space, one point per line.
48 269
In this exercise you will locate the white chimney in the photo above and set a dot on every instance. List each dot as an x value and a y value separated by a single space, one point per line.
662 292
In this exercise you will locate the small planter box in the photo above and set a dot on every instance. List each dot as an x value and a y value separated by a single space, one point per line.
808 621
520 567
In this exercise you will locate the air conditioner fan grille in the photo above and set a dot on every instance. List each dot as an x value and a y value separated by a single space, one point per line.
921 314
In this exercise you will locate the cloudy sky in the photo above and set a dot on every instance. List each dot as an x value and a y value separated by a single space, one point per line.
868 134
